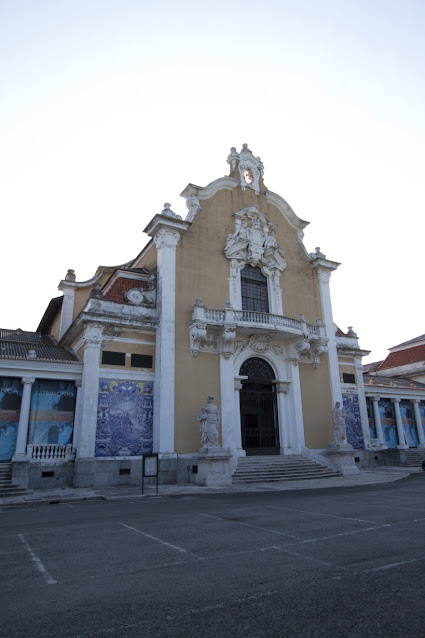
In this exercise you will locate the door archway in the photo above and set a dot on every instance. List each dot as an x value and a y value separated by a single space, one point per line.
259 422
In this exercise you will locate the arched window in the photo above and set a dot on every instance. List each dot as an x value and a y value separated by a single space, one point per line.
254 290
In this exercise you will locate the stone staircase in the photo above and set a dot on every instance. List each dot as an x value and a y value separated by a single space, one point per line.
6 487
412 458
279 468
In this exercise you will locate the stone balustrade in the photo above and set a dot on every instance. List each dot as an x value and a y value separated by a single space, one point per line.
50 452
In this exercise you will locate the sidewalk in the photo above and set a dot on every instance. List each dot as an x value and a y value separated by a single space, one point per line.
374 476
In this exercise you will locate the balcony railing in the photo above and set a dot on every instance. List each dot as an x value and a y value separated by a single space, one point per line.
251 317
50 452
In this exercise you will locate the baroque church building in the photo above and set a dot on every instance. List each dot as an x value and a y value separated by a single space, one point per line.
227 303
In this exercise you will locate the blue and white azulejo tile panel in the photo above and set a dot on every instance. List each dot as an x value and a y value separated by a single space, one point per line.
353 420
124 418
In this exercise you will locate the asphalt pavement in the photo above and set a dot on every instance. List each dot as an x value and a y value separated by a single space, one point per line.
341 561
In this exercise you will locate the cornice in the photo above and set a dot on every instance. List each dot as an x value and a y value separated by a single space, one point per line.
286 210
63 284
205 192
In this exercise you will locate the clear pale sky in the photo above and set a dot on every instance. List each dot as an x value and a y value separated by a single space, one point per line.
108 109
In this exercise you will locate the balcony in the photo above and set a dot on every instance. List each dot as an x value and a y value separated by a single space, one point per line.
306 337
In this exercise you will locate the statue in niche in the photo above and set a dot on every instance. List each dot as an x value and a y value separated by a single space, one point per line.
210 421
338 419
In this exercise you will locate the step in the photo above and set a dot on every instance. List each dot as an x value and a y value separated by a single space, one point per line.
14 491
279 468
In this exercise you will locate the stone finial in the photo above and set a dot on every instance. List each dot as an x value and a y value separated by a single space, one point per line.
233 158
70 275
168 212
31 354
351 333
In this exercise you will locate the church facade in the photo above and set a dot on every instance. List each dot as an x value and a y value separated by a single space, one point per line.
226 302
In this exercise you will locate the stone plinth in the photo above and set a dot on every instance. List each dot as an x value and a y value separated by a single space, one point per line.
342 456
213 467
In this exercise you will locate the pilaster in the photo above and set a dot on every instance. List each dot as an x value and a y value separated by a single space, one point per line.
324 269
285 434
165 231
238 426
90 391
295 408
228 417
67 310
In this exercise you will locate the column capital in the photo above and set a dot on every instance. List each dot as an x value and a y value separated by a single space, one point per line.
375 398
78 383
93 335
166 237
28 380
396 399
415 401
282 387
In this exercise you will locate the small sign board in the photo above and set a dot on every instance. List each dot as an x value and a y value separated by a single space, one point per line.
150 469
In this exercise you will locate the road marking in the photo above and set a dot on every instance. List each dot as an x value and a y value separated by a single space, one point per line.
290 509
263 529
155 538
37 562
314 560
391 565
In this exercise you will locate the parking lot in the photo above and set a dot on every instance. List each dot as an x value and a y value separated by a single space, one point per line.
335 562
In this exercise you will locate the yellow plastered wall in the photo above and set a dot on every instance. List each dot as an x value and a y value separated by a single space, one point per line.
202 270
317 405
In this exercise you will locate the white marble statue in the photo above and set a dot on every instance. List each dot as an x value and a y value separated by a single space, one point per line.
210 420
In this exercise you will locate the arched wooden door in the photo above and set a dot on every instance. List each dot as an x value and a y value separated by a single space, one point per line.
259 422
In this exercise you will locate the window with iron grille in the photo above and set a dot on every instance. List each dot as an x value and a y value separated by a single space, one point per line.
254 290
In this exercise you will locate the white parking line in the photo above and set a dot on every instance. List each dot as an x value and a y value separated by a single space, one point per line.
391 565
263 529
290 509
314 560
159 540
37 562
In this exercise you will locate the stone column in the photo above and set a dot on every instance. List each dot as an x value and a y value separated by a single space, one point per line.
324 270
378 425
238 426
90 391
166 241
399 423
285 434
419 426
77 415
24 417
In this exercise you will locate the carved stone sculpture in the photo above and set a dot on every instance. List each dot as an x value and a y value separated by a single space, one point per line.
193 207
210 421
